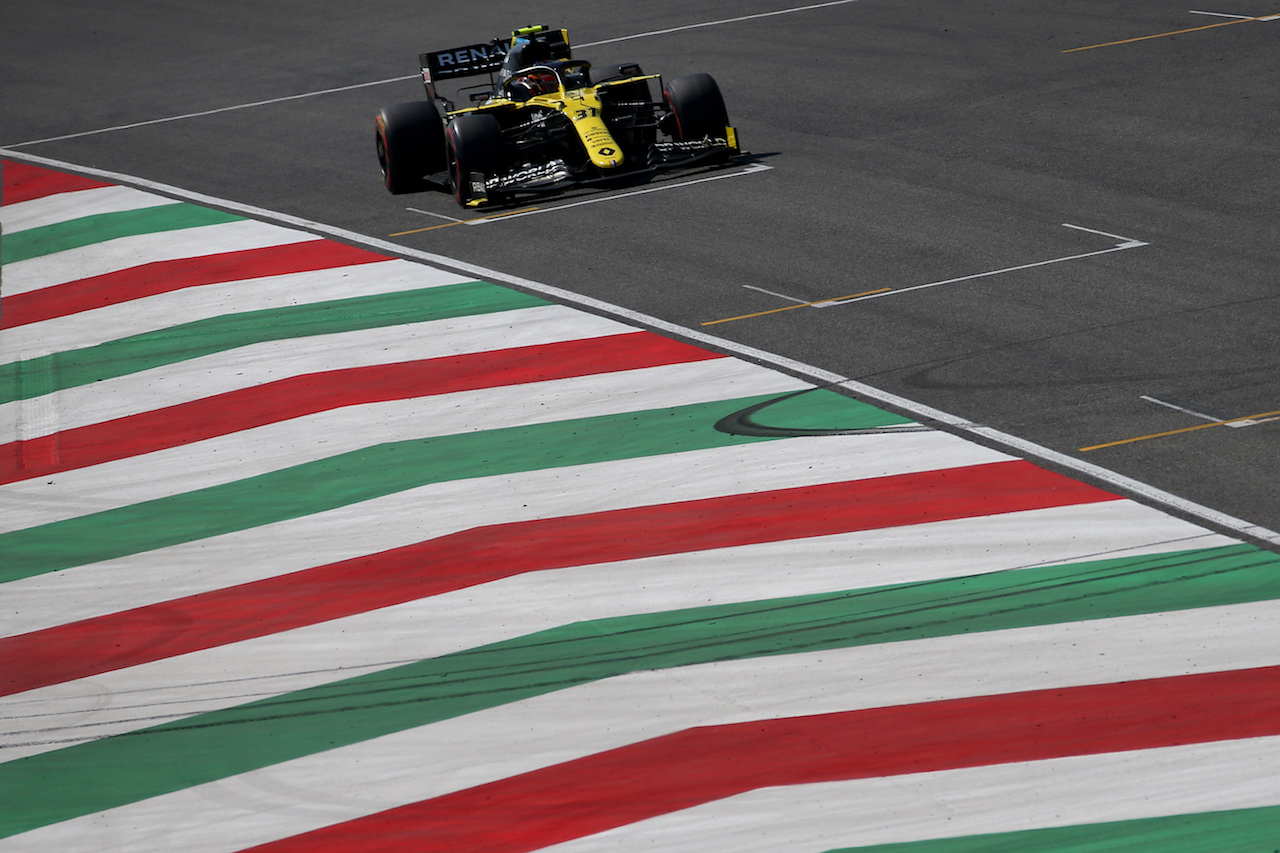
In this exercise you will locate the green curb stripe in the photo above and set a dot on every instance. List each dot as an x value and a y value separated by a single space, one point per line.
1236 831
384 469
74 233
217 334
114 771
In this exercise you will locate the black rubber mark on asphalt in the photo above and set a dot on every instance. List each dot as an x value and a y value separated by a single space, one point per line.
745 423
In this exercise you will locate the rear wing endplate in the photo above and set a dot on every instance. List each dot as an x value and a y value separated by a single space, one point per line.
467 61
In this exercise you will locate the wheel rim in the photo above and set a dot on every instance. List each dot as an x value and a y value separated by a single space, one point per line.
382 157
455 171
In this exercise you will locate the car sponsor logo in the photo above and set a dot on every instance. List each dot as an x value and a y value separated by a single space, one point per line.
465 56
708 144
463 61
555 170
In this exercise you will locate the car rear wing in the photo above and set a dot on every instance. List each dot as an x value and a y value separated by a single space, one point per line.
473 60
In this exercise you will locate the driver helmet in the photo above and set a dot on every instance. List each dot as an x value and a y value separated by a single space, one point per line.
537 82
523 53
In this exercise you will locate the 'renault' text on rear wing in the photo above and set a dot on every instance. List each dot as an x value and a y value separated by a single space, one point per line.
475 59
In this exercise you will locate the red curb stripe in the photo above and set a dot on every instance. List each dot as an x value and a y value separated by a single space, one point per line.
485 554
296 396
701 765
25 182
159 277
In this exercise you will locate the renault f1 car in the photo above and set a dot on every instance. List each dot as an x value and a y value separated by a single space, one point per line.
545 121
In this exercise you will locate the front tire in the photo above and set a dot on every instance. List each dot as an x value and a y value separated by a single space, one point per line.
696 106
410 145
474 144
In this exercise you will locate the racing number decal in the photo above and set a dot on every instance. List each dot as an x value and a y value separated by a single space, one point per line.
589 112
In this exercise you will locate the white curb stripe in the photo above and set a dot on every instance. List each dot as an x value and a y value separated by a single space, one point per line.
125 253
63 207
440 509
497 743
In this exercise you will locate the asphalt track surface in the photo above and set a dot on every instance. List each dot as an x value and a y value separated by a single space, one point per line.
1065 213
1072 248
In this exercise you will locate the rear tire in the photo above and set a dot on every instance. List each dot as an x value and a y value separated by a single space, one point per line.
697 107
410 145
474 144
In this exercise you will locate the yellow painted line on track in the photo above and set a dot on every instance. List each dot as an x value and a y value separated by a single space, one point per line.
428 228
1174 33
1180 431
503 215
462 222
797 305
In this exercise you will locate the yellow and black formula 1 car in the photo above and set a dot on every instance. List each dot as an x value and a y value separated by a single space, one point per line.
545 121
